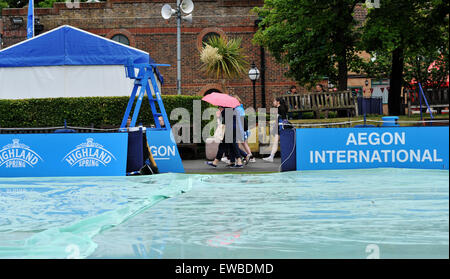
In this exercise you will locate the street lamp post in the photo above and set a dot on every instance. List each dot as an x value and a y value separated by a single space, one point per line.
253 74
183 11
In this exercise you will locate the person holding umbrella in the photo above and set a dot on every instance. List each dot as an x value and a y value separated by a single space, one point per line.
226 103
247 153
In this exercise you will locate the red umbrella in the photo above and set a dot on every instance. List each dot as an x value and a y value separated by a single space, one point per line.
221 100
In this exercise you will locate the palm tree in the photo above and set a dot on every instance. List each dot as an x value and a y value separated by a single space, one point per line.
223 59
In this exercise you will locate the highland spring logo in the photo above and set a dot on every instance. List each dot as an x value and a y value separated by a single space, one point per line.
18 155
89 154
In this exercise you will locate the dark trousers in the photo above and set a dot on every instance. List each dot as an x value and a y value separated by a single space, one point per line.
225 148
231 149
240 152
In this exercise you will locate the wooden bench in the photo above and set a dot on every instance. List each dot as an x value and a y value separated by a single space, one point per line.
437 98
322 101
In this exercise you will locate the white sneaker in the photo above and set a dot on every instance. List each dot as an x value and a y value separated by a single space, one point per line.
268 159
252 160
225 160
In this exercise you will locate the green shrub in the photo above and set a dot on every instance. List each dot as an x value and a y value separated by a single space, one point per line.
308 115
332 114
83 112
311 115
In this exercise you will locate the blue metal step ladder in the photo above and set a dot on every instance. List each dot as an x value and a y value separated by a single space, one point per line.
160 139
146 72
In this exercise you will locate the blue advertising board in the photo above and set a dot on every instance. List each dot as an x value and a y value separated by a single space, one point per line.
288 150
359 148
84 154
164 150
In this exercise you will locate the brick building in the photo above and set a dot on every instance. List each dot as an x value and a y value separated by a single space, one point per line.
139 24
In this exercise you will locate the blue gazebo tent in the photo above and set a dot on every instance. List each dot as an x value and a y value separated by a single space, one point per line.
67 62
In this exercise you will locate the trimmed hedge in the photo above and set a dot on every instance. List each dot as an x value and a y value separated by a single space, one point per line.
100 112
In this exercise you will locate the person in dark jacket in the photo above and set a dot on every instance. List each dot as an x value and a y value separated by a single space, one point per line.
231 132
293 105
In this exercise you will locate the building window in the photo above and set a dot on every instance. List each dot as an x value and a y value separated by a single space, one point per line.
206 34
212 91
120 38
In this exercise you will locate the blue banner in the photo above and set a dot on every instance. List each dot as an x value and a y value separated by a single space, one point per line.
359 148
30 20
164 150
90 154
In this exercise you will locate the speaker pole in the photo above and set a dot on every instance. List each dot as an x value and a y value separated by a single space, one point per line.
178 48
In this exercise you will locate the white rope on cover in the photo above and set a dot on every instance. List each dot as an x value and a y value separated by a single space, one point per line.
409 121
321 124
359 121
96 129
31 129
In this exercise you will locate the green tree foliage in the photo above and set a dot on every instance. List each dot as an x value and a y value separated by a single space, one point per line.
429 66
23 3
16 3
314 38
48 3
3 4
413 34
378 67
12 4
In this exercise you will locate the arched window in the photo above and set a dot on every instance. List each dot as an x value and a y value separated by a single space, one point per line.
209 35
212 91
206 34
120 38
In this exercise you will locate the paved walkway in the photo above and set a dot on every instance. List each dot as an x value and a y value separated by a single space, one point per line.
260 166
